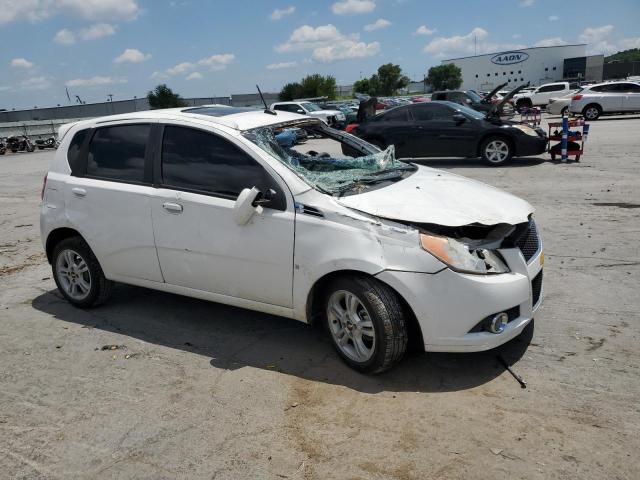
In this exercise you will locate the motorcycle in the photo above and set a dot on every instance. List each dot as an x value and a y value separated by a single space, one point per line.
46 143
3 148
20 143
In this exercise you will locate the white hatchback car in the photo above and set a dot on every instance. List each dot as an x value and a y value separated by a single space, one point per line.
608 97
225 204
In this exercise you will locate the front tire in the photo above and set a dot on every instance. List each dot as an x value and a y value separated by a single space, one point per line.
592 112
496 150
366 322
78 274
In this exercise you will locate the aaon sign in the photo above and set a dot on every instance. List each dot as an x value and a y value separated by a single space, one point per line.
509 58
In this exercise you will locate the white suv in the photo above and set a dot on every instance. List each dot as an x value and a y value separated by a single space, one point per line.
540 96
333 118
217 203
610 97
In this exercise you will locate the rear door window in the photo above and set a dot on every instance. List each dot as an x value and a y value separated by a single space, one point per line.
118 153
73 154
203 162
395 115
431 111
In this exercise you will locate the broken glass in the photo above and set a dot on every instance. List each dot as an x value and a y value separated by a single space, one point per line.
343 166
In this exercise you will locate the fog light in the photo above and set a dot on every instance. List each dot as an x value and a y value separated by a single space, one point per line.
498 323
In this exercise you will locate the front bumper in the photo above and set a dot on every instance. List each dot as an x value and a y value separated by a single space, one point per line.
528 145
448 304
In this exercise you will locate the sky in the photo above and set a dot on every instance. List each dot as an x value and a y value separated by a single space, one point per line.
212 48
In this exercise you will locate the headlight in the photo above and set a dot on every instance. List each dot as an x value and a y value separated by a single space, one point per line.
458 257
526 129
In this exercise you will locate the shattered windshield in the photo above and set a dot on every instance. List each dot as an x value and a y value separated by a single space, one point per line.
329 160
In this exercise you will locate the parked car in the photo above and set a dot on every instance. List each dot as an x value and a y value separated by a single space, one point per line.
204 202
333 118
610 97
447 129
540 96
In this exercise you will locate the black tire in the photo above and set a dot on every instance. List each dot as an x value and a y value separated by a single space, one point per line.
592 112
387 316
495 142
100 288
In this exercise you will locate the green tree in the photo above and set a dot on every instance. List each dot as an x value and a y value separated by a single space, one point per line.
444 77
290 92
314 85
631 55
361 86
163 97
390 79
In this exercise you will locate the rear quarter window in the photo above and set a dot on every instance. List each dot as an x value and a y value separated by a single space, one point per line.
76 161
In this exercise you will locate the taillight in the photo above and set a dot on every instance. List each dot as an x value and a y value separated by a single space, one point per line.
577 97
350 127
44 185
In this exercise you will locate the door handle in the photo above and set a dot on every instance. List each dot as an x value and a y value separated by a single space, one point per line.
172 207
79 192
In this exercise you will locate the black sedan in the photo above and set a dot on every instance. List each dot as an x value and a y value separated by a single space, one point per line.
447 129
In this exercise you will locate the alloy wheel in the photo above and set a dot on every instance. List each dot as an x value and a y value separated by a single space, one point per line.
351 326
73 274
591 113
497 151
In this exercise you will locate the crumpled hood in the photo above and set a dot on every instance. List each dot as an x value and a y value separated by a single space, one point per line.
442 198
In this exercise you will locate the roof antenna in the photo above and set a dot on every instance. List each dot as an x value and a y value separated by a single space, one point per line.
266 108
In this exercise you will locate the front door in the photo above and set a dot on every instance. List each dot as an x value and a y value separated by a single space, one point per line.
631 100
199 244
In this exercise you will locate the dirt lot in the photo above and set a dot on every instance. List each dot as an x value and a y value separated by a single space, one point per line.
200 390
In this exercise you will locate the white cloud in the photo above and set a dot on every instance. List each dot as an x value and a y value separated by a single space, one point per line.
281 65
131 55
424 30
353 7
345 49
377 25
96 10
21 63
550 42
195 76
554 18
627 43
598 39
527 3
279 13
35 83
96 81
218 61
474 41
158 76
96 31
65 37
214 62
327 44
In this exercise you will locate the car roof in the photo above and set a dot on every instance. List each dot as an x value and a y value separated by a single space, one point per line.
610 82
232 117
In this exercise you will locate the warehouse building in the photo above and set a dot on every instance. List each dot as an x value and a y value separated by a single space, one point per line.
536 65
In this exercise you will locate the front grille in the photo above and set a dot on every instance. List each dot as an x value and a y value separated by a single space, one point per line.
536 288
529 242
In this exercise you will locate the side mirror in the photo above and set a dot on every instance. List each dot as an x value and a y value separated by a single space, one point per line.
300 111
264 199
468 101
459 118
244 207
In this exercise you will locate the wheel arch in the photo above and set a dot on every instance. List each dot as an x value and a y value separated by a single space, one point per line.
56 236
314 304
499 134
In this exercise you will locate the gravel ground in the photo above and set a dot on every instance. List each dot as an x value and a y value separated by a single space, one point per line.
201 390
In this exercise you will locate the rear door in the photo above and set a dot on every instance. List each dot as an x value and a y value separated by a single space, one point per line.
610 97
108 200
200 174
544 93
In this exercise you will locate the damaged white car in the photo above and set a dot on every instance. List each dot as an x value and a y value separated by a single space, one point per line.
278 213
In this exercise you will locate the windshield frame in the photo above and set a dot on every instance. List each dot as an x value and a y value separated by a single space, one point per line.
310 106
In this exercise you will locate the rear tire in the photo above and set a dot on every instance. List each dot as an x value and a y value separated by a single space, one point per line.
496 150
78 274
366 323
592 112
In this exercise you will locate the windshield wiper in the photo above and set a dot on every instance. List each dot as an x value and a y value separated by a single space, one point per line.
382 176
